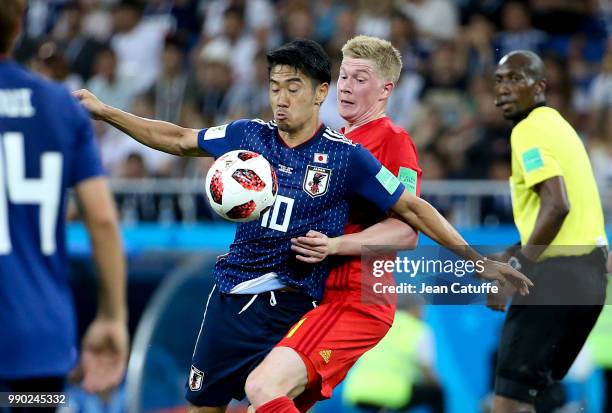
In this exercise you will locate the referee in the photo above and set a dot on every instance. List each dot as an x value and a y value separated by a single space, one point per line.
563 248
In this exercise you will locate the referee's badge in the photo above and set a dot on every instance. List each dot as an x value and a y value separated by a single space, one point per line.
316 180
195 379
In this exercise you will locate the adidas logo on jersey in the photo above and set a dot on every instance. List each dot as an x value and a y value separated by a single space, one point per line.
325 355
285 169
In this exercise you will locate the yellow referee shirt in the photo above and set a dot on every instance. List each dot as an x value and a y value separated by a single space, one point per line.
545 145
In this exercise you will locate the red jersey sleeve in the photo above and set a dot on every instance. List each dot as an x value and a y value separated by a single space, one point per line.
399 155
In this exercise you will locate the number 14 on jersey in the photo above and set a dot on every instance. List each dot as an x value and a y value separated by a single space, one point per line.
17 189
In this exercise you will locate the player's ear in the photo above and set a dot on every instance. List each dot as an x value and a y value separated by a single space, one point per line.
387 89
321 93
540 87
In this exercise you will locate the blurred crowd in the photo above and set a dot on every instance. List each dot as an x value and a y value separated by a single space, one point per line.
202 62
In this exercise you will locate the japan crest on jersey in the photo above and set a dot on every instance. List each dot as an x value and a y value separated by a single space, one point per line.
195 379
316 180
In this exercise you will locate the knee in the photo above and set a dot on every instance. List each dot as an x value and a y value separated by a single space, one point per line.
257 390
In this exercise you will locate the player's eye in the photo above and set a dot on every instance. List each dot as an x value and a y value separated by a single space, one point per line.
360 80
343 77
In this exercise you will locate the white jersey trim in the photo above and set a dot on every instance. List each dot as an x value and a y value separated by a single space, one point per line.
338 138
266 282
271 124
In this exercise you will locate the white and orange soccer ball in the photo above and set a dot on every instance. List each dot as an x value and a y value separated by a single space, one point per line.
241 185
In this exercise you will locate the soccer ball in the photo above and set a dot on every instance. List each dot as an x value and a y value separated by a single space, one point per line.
241 185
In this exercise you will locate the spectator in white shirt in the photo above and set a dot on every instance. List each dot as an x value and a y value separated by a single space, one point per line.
138 43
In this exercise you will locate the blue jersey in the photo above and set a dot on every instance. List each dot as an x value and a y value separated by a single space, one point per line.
46 146
316 180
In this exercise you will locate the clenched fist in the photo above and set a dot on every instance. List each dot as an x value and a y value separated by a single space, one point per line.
94 106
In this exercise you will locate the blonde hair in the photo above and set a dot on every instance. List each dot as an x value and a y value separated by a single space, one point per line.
386 58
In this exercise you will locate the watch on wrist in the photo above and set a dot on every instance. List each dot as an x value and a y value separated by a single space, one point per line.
519 262
515 263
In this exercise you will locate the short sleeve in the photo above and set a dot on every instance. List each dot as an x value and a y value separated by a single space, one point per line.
221 139
371 180
87 163
402 160
537 160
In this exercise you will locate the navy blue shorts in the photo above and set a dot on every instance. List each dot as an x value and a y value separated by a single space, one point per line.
238 331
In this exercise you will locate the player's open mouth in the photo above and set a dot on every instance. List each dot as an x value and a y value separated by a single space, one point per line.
346 102
502 102
281 116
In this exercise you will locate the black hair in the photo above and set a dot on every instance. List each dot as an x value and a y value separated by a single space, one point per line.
11 13
237 11
138 6
530 62
174 40
106 48
306 56
72 5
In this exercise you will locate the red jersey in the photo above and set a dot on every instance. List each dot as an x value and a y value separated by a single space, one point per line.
331 337
394 148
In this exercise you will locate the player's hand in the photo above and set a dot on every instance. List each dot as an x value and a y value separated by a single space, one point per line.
94 106
502 256
499 301
504 274
104 355
314 247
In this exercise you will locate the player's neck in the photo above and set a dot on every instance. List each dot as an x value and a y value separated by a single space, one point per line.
4 56
366 118
293 139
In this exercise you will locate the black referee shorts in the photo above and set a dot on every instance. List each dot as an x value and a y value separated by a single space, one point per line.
544 332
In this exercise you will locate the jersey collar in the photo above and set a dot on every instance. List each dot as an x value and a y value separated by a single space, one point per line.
525 114
366 126
313 138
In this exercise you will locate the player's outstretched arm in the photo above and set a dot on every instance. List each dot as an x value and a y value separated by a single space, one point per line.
392 234
163 136
105 344
425 218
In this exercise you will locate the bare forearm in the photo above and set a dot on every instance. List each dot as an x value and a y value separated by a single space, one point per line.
110 263
163 136
548 224
419 214
554 207
391 233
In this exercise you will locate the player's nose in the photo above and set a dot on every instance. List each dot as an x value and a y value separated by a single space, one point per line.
344 87
282 99
502 88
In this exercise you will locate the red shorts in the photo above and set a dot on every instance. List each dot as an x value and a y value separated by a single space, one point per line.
330 339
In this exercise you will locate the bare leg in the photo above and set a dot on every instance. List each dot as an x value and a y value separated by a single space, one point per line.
281 373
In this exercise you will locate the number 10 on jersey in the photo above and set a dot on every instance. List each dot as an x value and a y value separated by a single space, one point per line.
272 223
